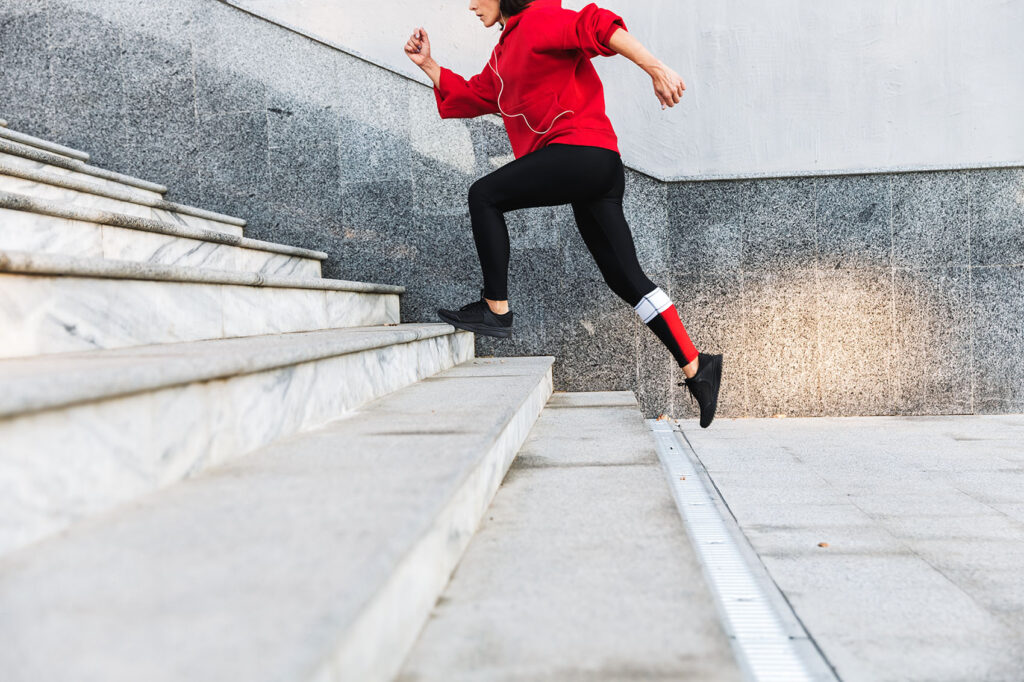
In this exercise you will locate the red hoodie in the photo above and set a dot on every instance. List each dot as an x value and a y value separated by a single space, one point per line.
539 77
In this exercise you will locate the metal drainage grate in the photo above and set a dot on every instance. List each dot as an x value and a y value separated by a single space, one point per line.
768 649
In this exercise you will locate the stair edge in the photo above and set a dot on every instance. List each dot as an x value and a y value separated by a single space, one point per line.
32 264
20 202
98 382
374 629
125 194
45 145
42 156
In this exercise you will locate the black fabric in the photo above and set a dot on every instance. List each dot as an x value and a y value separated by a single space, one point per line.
592 179
660 328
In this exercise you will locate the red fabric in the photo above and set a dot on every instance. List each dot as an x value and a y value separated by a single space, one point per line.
675 325
543 58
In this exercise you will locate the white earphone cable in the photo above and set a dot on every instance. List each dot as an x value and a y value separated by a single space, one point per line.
525 120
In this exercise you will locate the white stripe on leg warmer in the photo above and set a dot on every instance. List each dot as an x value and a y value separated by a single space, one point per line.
652 305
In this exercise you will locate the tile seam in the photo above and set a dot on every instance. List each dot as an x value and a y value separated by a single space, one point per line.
970 291
895 383
818 295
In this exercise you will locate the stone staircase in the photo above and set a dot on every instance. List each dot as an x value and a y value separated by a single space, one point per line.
214 463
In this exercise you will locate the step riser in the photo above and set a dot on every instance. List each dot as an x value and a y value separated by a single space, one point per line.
41 314
376 645
71 197
37 233
62 466
33 165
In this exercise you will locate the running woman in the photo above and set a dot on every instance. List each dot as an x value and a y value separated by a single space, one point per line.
540 79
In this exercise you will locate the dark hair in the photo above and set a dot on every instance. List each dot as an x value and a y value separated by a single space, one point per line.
512 7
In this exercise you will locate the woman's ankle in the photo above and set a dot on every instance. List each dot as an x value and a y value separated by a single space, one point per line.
497 307
691 369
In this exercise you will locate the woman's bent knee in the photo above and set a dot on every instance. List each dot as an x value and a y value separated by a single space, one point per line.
480 195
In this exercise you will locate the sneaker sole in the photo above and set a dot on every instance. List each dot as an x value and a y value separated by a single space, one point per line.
483 329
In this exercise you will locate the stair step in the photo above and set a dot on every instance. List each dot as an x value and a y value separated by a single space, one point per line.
16 164
55 304
581 568
45 145
85 432
43 226
22 176
316 558
49 159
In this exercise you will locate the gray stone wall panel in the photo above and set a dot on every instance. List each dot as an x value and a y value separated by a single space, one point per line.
855 340
233 155
592 334
158 87
932 340
853 221
998 312
780 354
707 223
778 229
996 216
929 219
85 94
25 55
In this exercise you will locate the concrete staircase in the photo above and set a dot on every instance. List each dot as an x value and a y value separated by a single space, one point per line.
214 463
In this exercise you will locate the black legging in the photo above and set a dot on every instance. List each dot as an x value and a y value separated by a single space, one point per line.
592 179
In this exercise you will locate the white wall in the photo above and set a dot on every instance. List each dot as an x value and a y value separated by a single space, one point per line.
787 87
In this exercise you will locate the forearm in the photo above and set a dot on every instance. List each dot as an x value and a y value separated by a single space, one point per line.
623 42
433 71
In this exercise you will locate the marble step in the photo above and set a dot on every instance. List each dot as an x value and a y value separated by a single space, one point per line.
57 304
45 145
44 226
317 558
82 433
55 161
17 164
23 176
581 568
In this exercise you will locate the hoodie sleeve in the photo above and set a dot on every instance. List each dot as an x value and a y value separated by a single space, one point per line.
459 98
591 30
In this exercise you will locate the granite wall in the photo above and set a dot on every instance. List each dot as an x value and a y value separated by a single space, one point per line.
841 295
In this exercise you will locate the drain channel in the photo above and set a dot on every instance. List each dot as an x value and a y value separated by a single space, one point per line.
769 642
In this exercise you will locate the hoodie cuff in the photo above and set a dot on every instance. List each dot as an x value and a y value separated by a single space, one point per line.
609 24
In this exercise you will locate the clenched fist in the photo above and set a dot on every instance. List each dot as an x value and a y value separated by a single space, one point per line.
418 47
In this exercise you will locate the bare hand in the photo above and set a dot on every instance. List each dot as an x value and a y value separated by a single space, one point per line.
418 47
668 86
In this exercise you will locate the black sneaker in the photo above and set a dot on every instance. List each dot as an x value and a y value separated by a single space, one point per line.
704 386
477 317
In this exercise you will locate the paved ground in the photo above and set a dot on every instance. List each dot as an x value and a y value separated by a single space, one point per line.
581 570
923 575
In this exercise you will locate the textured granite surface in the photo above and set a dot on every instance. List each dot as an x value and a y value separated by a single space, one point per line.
893 293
